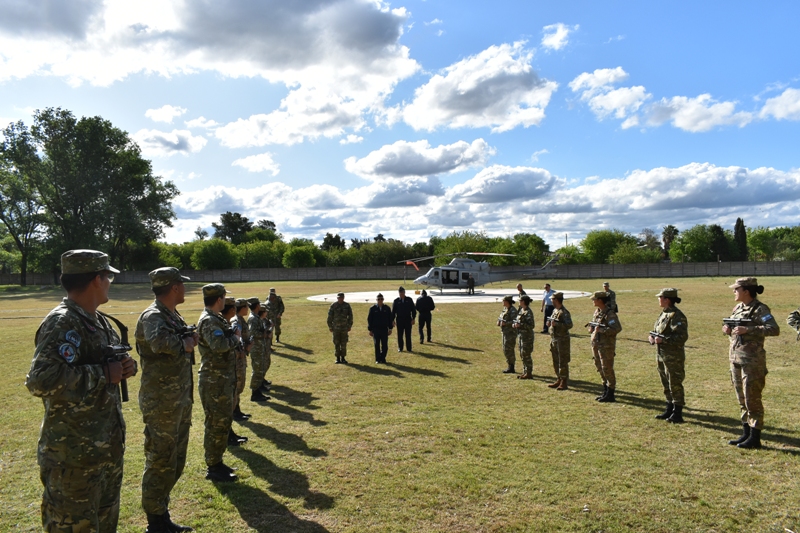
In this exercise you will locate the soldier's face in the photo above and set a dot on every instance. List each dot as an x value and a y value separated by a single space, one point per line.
340 299
663 302
557 303
104 284
180 291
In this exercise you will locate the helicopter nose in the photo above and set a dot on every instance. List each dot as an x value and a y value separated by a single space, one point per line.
422 280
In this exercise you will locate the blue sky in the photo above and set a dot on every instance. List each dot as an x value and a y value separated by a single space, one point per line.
418 118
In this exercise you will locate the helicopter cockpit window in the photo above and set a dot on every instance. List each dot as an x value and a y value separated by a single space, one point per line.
435 273
465 276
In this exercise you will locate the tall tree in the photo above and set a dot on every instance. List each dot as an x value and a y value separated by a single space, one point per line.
332 241
200 234
740 236
668 235
598 245
266 224
232 227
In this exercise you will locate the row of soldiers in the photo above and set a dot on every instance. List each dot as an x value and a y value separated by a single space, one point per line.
79 370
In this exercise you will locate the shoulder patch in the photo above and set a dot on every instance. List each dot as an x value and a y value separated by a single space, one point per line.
218 333
73 337
766 318
67 351
611 321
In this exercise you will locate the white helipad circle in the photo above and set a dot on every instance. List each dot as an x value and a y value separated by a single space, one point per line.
450 296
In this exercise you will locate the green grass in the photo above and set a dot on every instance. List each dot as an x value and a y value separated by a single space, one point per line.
440 440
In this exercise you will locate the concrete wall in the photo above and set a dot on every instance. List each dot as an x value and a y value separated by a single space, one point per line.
396 272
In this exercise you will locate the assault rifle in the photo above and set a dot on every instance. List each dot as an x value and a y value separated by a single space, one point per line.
594 325
118 352
188 331
735 322
657 335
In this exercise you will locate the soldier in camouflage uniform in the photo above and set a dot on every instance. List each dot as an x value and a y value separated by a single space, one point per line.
340 322
258 350
604 328
271 319
559 323
165 396
229 313
671 332
612 297
239 325
216 380
82 437
279 309
506 324
524 324
748 357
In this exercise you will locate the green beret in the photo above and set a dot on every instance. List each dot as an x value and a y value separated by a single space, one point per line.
161 277
668 293
214 290
85 262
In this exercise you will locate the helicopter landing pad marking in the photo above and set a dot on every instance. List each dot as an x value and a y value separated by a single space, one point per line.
450 296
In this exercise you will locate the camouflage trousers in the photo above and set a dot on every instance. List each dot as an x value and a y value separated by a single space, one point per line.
277 330
604 362
81 500
166 437
340 338
241 377
268 354
749 380
559 349
510 346
258 360
216 395
525 341
670 368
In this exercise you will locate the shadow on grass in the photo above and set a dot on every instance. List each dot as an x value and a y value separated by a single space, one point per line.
294 414
294 397
457 348
377 370
291 347
420 371
295 358
283 441
442 358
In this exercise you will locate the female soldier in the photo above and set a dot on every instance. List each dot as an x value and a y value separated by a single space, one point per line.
669 334
748 358
524 325
559 323
505 322
604 328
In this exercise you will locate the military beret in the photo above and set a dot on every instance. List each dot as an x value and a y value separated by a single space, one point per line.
253 300
558 296
161 277
230 301
340 295
745 282
525 298
214 290
241 302
85 262
668 293
509 299
599 294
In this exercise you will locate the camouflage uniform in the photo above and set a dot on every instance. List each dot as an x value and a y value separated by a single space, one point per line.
560 324
670 355
258 350
340 320
506 321
749 360
239 324
270 327
604 344
82 436
525 338
612 300
216 381
279 309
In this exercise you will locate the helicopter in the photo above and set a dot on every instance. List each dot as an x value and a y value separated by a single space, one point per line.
456 274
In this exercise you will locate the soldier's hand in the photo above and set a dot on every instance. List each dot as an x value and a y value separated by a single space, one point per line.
129 367
726 329
113 371
348 331
651 340
659 340
330 329
189 343
371 334
413 322
740 330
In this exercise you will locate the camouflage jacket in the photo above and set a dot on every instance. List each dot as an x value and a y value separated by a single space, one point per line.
526 322
217 343
340 316
83 424
605 335
750 346
255 326
561 323
612 300
273 309
281 307
166 366
242 332
506 319
672 324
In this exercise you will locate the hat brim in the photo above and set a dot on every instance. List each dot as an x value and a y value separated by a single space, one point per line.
185 278
112 269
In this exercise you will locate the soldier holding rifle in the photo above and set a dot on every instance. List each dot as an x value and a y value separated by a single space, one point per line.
506 324
559 324
82 437
669 334
604 328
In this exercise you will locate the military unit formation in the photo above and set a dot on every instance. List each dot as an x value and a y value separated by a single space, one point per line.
81 364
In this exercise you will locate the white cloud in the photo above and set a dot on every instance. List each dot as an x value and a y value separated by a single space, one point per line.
496 88
418 159
499 183
156 143
786 106
596 89
201 122
259 163
556 36
165 113
351 139
537 153
702 113
434 21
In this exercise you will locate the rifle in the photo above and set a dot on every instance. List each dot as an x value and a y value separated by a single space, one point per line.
657 335
735 322
186 332
117 352
594 325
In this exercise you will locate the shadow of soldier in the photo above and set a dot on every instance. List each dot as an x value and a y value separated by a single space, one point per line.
283 441
294 397
420 371
295 358
378 370
457 348
295 414
293 348
283 481
264 514
442 357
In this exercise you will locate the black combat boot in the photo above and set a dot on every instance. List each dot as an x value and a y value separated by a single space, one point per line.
509 370
156 523
605 391
234 439
277 338
256 396
609 397
239 416
666 414
744 437
264 387
344 361
173 527
753 441
677 415
220 472
338 360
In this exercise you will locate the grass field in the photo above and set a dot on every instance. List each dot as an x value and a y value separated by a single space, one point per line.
440 440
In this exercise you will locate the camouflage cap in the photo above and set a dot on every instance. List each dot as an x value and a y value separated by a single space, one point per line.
230 301
214 290
745 282
525 298
340 295
85 262
241 302
668 293
272 290
598 294
253 300
161 277
605 284
558 296
509 299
